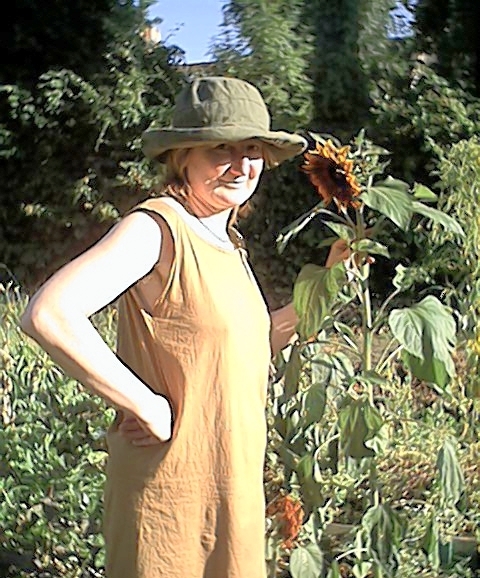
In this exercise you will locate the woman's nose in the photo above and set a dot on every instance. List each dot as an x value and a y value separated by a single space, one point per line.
240 164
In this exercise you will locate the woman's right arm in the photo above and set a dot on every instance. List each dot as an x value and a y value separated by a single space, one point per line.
57 317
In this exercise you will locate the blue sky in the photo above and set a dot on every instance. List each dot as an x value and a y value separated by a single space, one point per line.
190 24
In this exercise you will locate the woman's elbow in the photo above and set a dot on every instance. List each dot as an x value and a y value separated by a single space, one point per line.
37 319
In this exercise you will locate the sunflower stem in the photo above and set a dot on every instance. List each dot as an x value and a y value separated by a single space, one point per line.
367 321
366 303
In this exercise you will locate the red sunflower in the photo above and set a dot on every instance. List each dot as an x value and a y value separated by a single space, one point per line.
330 172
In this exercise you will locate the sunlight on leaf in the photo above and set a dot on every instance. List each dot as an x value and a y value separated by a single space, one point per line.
452 481
371 247
424 193
446 221
306 561
390 197
426 330
314 292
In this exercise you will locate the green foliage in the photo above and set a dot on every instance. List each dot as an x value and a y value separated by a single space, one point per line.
43 35
305 561
70 157
344 37
315 291
336 407
448 29
427 333
418 114
455 262
53 449
263 42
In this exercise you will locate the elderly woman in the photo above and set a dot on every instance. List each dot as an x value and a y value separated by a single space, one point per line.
184 495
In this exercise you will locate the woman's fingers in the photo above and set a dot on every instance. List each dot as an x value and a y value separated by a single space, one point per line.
153 425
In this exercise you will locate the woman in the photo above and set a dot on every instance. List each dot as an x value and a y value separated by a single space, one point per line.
184 494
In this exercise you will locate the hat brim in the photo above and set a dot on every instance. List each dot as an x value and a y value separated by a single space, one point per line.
157 142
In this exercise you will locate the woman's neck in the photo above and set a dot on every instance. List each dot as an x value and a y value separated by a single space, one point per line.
217 220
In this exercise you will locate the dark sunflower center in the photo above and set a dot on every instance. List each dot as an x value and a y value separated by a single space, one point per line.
337 176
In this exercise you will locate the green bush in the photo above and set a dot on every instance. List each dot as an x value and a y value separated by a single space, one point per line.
52 443
452 263
70 156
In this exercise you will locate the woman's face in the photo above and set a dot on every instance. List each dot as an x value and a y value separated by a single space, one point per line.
224 176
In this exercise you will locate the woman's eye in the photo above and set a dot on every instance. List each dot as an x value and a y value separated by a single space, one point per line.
254 149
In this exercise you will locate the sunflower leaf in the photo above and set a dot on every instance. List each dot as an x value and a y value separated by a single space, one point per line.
371 247
359 422
446 221
426 331
390 198
315 290
306 561
343 231
424 194
291 231
452 480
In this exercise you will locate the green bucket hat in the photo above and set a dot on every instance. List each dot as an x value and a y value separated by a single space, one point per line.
216 109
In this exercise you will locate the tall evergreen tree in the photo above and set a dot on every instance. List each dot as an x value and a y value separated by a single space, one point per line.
449 30
40 35
267 43
314 61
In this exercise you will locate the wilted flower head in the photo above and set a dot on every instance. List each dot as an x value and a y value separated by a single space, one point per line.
289 514
331 172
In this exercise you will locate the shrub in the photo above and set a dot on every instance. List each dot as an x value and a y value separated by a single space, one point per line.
53 454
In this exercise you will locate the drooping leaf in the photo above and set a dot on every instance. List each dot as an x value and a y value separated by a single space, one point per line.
452 481
312 494
292 419
291 231
426 331
306 561
292 372
433 371
431 541
390 198
446 221
343 231
315 290
305 468
383 530
313 403
359 422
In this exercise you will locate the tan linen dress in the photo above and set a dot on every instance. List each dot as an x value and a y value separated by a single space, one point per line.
193 507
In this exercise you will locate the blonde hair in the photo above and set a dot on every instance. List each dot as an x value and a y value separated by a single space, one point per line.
176 186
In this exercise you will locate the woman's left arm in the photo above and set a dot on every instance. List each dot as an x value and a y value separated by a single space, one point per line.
283 323
285 319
